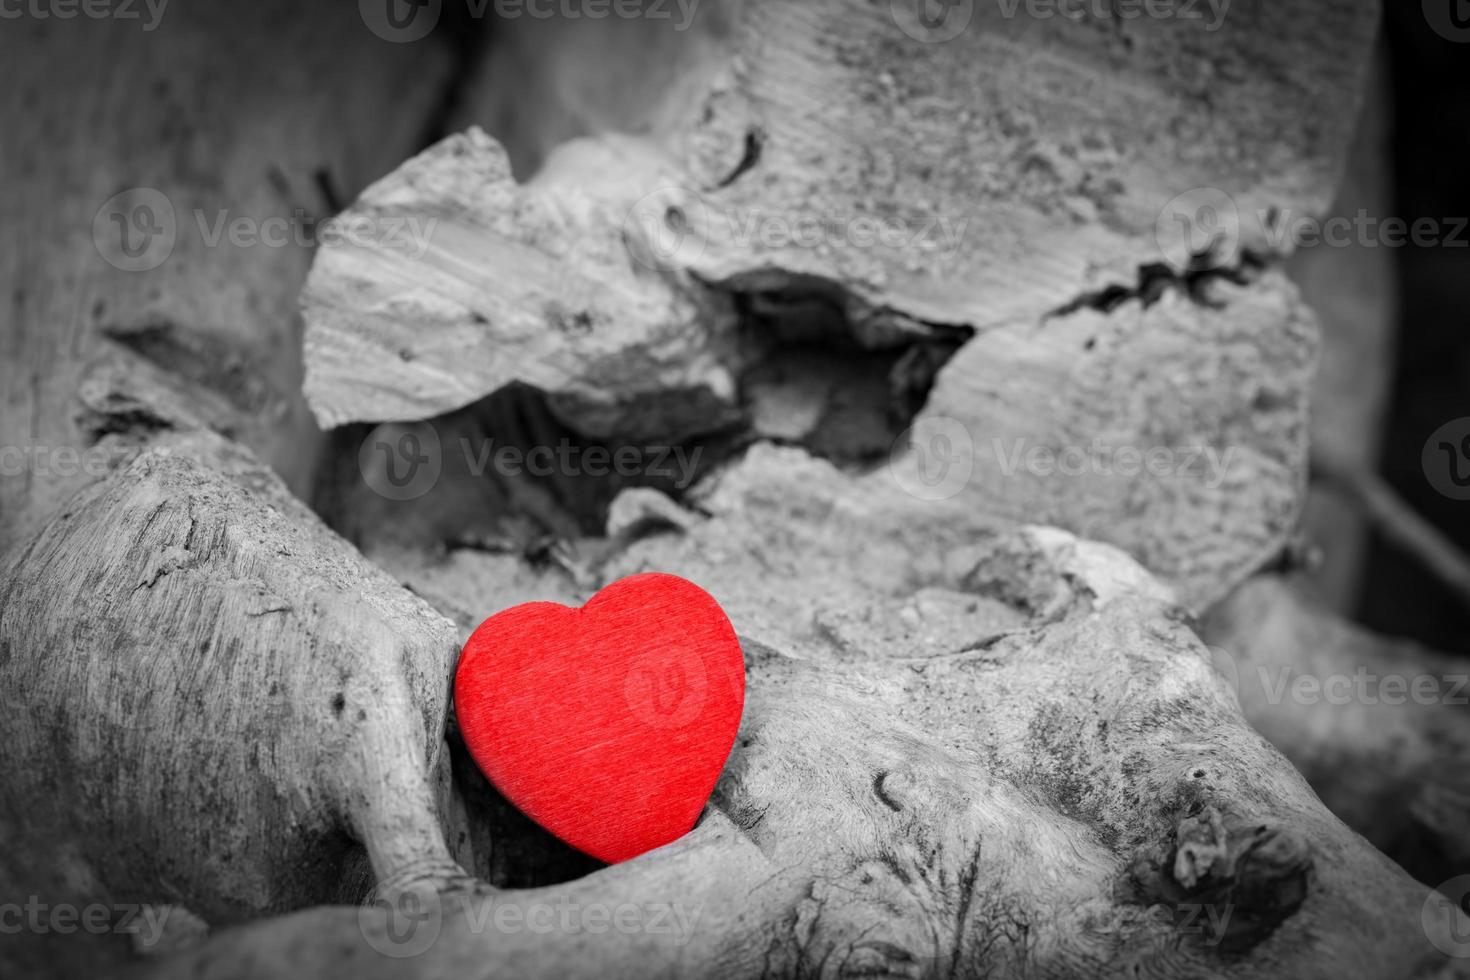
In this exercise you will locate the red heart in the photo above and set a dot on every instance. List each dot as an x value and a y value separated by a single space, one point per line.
608 725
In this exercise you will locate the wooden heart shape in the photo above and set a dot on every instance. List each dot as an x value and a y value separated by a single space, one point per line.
608 725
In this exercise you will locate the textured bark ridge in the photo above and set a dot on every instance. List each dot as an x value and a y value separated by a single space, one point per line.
248 696
496 297
1044 773
1078 796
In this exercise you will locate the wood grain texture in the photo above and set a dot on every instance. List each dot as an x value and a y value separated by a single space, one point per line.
513 284
1021 172
1176 429
1053 141
968 749
1173 425
1005 790
191 108
918 815
215 694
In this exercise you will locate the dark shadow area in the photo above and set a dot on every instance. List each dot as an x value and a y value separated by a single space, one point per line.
506 474
507 848
1431 384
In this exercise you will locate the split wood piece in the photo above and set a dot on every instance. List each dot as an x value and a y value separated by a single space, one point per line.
1038 142
1155 420
510 284
1021 160
1175 430
235 129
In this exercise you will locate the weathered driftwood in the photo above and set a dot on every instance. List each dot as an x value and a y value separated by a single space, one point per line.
1380 727
1043 222
513 284
1159 416
966 752
892 801
213 694
272 112
1176 430
1076 797
818 565
1053 141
